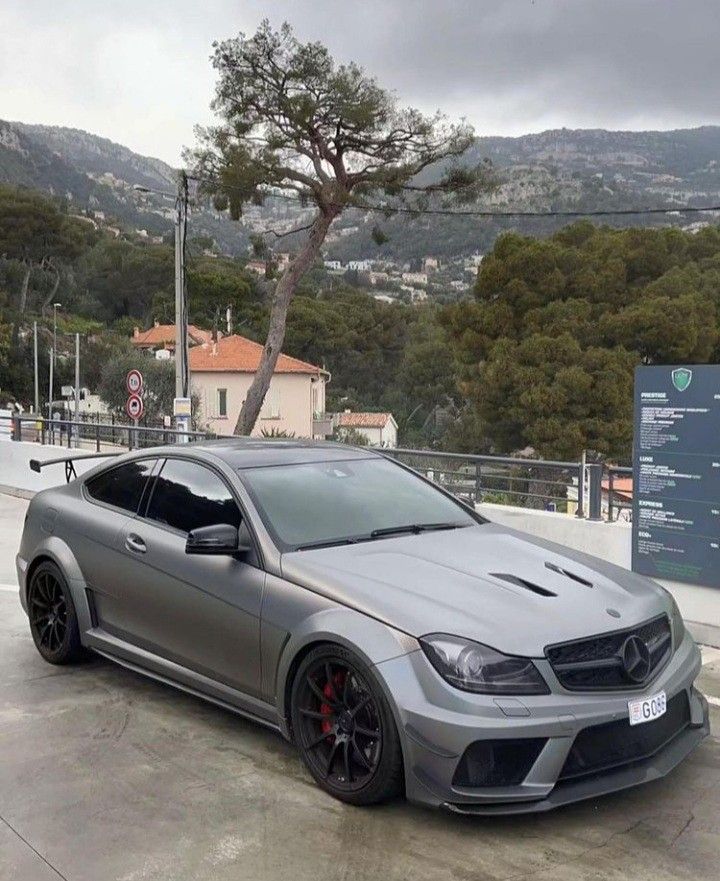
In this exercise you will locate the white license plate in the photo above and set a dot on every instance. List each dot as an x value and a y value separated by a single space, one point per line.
647 708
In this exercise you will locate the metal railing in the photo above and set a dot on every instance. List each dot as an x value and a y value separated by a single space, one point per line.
525 483
566 487
616 504
93 435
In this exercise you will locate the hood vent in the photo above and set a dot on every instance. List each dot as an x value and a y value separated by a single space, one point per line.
560 571
523 582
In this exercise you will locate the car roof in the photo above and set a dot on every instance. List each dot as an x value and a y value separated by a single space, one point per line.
248 452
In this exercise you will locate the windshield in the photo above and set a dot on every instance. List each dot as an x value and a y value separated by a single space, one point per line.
326 503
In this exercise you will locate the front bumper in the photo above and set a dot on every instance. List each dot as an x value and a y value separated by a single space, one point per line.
437 723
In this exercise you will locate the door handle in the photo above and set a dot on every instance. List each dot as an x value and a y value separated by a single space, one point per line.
135 543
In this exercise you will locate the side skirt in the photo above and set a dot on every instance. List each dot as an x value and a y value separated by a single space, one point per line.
169 673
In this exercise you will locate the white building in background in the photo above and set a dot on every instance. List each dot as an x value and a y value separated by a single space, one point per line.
380 429
415 278
472 263
360 265
222 372
333 265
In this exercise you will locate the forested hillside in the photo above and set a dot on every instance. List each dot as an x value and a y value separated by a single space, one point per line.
541 355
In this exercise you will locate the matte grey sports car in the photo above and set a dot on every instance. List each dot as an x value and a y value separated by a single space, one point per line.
399 639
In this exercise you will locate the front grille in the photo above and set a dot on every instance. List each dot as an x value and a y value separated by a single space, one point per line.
596 663
613 744
497 762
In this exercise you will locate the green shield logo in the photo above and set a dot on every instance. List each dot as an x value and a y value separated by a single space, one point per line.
681 378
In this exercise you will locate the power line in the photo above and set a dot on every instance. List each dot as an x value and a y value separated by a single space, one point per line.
447 212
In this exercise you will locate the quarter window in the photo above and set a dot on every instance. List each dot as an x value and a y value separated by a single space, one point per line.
187 496
121 487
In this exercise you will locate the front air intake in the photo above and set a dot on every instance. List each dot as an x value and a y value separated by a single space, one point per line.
497 762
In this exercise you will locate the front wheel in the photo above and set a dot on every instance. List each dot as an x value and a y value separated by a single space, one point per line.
53 621
344 728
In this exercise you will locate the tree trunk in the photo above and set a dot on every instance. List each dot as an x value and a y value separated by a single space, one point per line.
24 290
51 296
22 305
284 291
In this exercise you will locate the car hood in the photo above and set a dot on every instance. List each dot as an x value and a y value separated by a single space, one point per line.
447 582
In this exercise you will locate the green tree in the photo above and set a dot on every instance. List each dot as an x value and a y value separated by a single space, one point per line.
40 238
295 123
546 351
158 383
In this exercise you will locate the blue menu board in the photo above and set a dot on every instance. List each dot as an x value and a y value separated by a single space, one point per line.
676 473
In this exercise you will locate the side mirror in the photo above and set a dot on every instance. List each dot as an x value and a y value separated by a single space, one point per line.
220 538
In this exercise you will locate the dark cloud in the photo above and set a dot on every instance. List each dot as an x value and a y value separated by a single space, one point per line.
138 72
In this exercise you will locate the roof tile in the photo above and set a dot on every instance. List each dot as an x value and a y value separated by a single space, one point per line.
237 353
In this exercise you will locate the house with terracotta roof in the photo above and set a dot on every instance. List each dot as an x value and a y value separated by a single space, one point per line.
380 429
221 373
162 336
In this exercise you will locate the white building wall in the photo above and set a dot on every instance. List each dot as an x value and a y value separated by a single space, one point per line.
289 404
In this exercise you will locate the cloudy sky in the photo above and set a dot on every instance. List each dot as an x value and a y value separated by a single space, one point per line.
137 71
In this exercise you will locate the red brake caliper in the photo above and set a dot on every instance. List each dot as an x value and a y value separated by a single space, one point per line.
326 709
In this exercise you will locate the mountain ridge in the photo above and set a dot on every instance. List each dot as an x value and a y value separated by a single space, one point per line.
578 169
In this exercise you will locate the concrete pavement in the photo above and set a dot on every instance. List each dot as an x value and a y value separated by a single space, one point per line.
108 776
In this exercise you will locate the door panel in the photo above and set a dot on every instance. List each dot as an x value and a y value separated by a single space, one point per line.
111 501
199 611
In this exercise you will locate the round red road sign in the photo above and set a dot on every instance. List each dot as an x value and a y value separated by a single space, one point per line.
134 382
134 407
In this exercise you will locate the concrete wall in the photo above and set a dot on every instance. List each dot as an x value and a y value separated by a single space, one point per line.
16 478
700 606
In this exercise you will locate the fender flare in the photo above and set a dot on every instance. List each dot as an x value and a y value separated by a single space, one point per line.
371 640
59 552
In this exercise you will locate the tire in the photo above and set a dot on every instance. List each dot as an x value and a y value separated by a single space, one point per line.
53 620
344 728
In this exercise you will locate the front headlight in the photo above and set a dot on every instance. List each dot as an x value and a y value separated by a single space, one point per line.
474 667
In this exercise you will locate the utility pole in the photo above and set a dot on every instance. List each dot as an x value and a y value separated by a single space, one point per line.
52 361
53 351
37 378
182 360
77 383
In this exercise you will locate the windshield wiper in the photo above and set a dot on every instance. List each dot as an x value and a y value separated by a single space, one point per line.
328 543
414 528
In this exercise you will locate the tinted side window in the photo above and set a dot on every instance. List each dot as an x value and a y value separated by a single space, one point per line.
122 486
187 496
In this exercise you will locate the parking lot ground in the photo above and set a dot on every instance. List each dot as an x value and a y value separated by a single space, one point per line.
107 775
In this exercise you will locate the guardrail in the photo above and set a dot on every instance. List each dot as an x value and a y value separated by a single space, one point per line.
567 487
92 435
530 483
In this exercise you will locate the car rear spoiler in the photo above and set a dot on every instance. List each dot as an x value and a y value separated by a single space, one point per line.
68 461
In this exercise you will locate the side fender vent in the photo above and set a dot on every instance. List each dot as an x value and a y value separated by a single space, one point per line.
560 571
523 582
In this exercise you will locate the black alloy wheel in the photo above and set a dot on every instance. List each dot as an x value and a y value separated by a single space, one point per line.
53 622
344 729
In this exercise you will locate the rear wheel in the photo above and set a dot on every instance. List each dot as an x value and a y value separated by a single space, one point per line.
344 728
53 621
